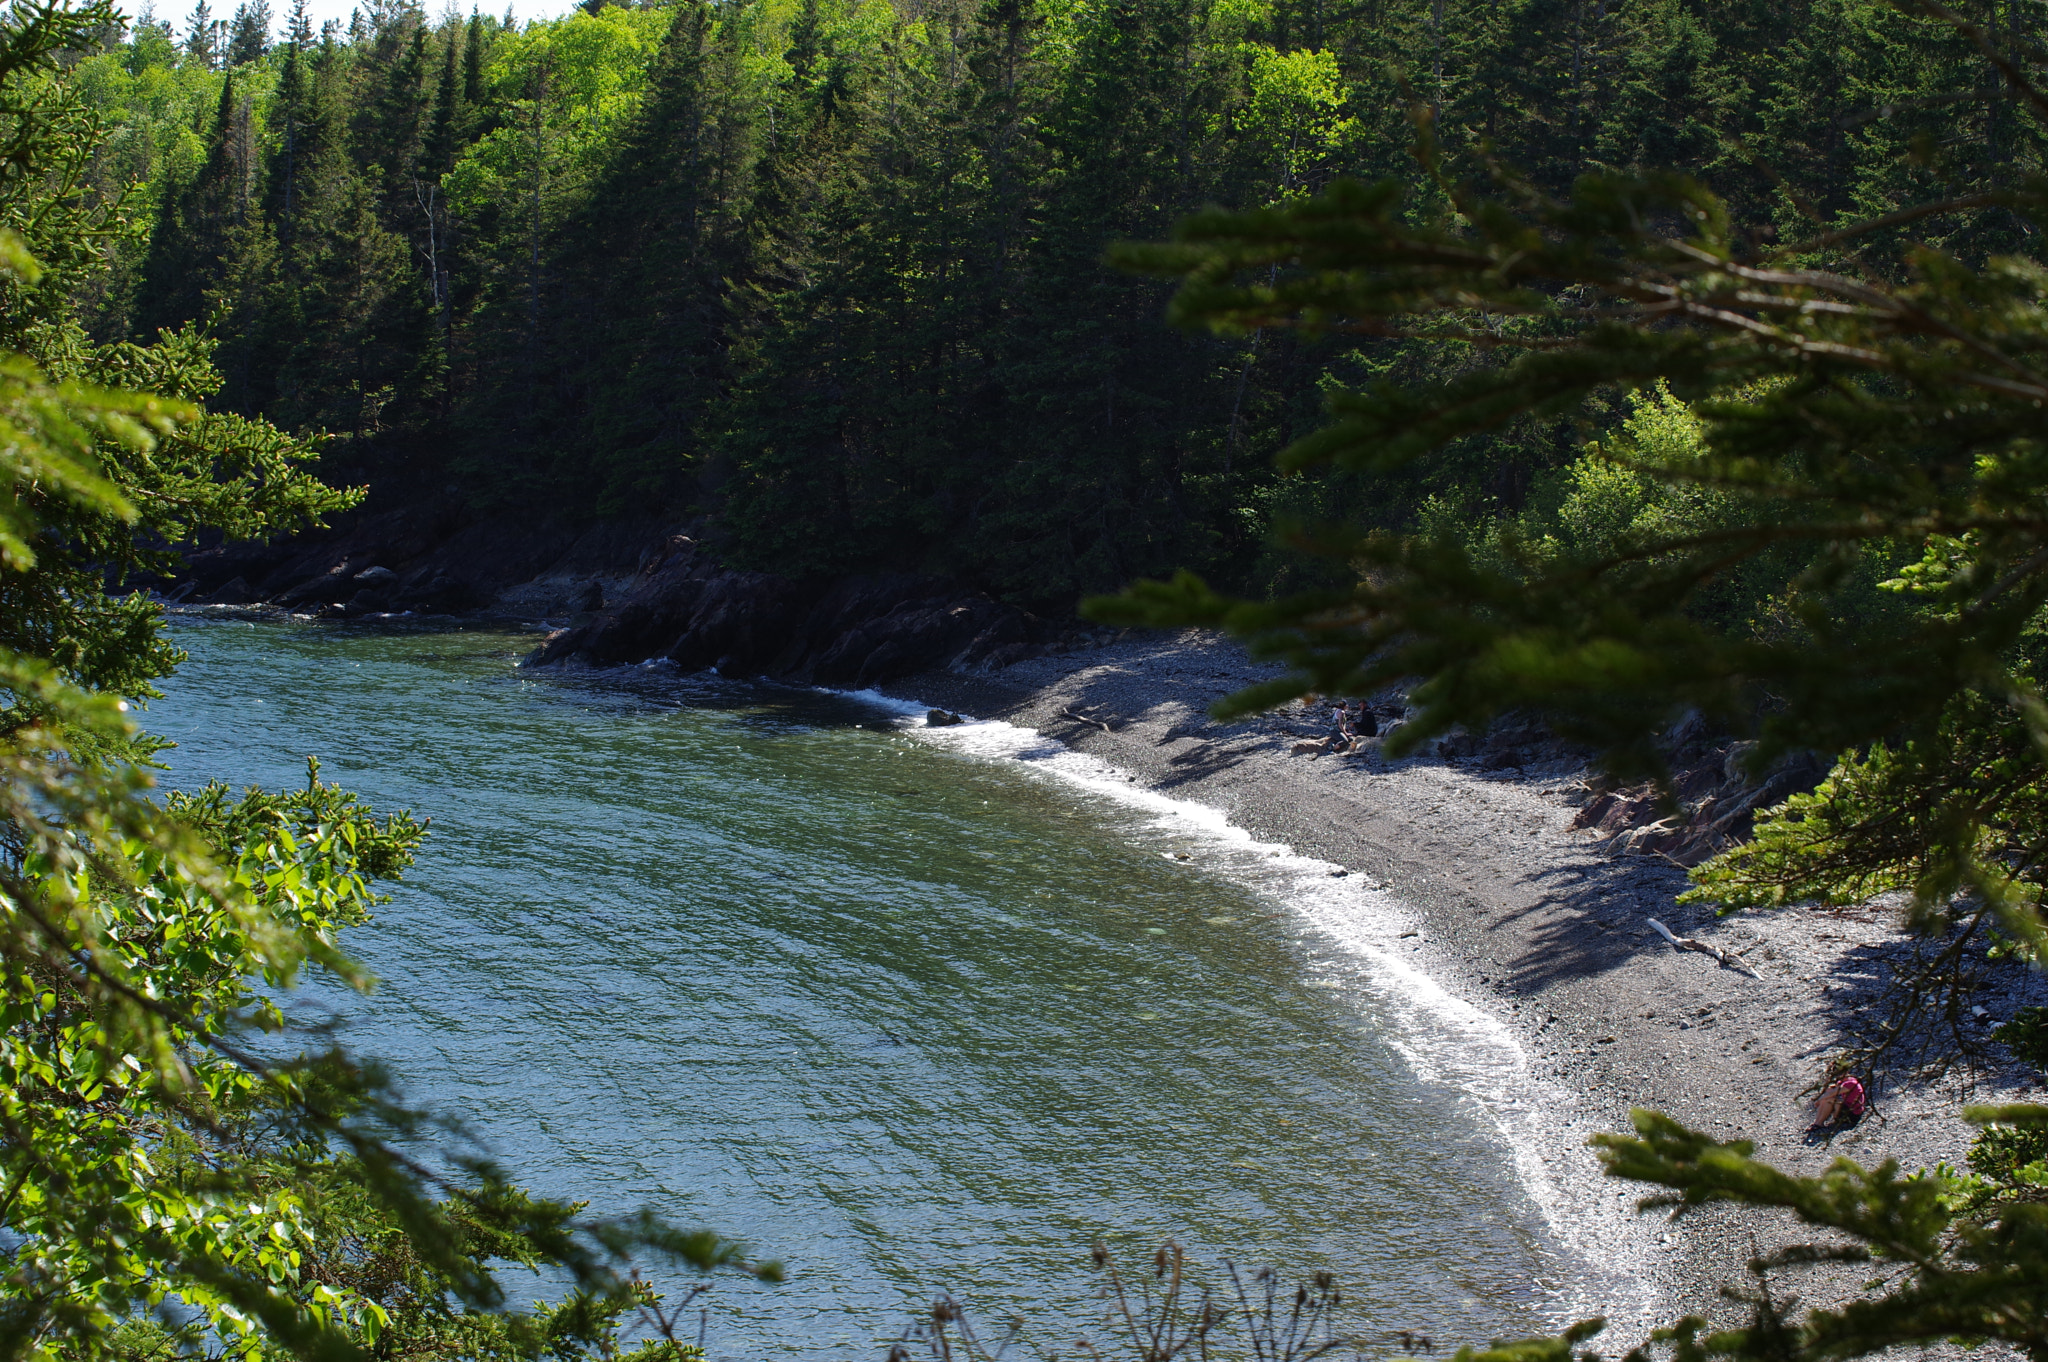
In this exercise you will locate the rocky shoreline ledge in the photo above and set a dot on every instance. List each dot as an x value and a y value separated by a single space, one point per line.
1525 909
622 592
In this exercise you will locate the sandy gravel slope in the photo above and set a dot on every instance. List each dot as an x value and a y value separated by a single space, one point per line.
1524 918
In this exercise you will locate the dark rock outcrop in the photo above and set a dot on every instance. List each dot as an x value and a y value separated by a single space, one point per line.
1709 804
235 591
431 556
1712 804
630 591
859 631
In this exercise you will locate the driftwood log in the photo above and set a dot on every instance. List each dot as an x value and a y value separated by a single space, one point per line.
1687 943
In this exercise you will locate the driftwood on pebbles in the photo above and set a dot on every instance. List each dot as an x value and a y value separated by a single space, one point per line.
1687 943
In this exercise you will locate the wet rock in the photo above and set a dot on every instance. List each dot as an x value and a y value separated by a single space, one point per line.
376 578
437 591
1006 635
940 718
332 587
233 592
446 556
859 631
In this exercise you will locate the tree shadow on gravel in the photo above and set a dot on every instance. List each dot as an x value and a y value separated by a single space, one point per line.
1886 1000
1592 918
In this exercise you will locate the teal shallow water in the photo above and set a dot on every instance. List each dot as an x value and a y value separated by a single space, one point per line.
907 1017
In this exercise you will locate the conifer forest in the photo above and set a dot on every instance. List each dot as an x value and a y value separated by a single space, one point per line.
1565 469
832 273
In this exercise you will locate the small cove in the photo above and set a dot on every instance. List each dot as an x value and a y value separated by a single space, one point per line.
902 1014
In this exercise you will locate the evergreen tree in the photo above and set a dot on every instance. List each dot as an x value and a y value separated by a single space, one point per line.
394 134
149 43
202 38
356 307
655 269
1867 461
909 223
151 1155
249 35
473 53
190 237
830 278
451 111
289 117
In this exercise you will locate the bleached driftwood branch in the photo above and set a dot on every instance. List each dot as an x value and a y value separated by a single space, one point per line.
1687 943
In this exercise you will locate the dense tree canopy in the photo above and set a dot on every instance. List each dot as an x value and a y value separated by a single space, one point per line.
830 273
1819 520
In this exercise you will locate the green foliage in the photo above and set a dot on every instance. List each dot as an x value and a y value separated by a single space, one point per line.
181 1175
1836 413
832 274
862 322
1933 816
1609 499
2026 1035
1817 522
1955 1264
2008 1162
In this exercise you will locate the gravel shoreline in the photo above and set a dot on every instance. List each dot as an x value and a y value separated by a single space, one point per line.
1530 922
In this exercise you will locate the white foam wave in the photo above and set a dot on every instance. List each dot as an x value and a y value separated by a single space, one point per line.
1365 932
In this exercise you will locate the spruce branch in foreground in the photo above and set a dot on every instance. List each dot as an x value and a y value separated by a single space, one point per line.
180 1174
1833 508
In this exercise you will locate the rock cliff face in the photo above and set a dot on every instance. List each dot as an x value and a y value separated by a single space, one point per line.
429 558
860 631
632 592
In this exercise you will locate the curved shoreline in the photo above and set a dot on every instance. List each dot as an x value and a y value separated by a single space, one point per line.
1595 1252
1521 918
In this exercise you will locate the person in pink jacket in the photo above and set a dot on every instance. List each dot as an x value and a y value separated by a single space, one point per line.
1841 1102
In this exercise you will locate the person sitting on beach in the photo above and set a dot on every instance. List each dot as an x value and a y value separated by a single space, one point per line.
1346 737
1841 1102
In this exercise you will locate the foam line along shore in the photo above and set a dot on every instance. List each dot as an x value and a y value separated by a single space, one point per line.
1362 939
1512 915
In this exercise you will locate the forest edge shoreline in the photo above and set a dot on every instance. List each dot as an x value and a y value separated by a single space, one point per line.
1723 1052
1497 931
1478 858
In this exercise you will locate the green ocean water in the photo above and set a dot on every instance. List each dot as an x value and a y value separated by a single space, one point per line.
909 1014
